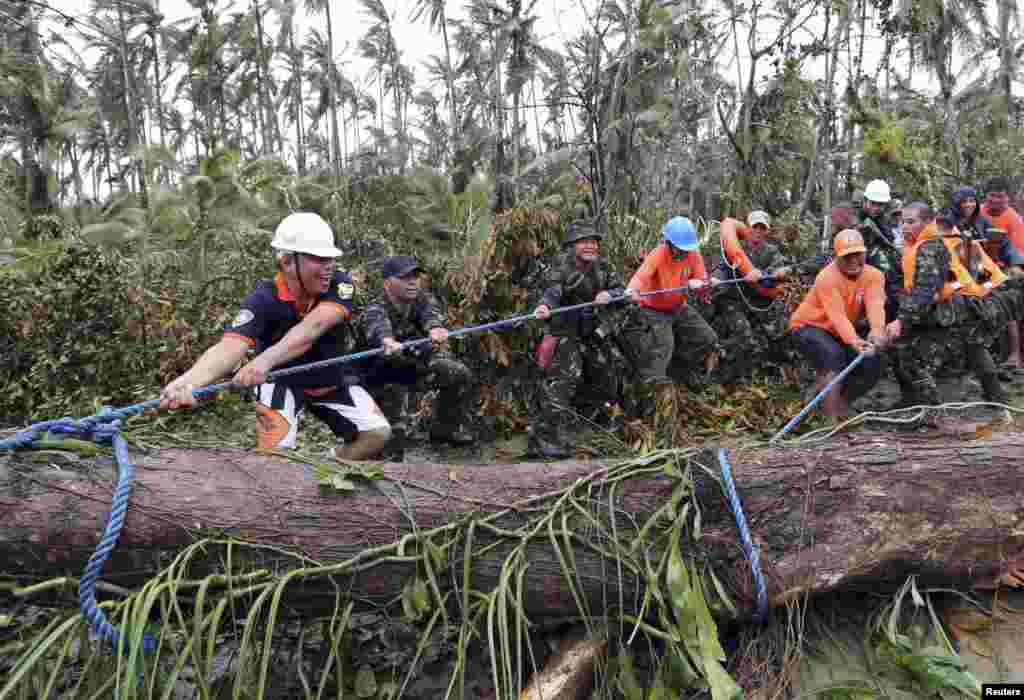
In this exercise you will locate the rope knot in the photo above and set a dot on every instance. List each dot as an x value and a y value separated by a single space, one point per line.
102 427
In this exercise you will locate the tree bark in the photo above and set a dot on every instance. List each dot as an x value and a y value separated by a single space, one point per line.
332 94
449 78
300 129
863 511
263 113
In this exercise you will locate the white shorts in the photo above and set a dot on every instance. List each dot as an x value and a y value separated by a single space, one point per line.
347 410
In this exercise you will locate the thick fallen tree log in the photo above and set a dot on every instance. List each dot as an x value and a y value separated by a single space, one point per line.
861 510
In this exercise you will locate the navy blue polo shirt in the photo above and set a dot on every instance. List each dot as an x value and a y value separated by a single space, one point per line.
272 310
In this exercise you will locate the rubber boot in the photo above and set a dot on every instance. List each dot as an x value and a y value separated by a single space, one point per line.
992 389
984 368
909 395
449 418
863 379
457 435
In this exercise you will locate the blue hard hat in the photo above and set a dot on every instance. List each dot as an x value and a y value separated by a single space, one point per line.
679 231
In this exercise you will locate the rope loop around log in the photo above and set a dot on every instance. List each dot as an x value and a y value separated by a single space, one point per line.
104 427
752 551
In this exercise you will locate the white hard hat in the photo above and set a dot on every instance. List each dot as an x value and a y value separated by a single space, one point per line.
759 217
305 232
877 191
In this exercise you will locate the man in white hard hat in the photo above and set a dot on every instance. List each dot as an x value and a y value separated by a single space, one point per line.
294 319
882 241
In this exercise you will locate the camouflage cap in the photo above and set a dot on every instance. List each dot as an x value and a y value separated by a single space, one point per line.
579 230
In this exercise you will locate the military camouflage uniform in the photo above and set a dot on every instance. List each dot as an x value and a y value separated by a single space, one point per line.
884 253
935 333
752 329
421 368
586 351
668 346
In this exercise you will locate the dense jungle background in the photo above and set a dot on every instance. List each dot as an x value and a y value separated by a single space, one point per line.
145 162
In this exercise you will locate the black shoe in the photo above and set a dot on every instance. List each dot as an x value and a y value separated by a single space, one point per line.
460 437
992 390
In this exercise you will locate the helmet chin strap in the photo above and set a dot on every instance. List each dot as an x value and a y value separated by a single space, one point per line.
298 273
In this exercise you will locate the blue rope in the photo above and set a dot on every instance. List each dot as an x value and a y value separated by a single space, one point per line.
105 427
753 554
821 394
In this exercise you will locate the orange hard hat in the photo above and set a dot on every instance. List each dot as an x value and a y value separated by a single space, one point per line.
848 241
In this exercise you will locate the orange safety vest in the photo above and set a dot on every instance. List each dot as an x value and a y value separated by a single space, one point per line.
736 258
963 282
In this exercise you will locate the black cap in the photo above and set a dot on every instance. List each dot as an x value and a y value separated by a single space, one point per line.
399 265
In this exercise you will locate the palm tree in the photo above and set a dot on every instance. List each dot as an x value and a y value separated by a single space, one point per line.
291 89
1008 21
22 64
325 7
326 82
202 46
555 82
378 46
264 78
934 28
114 25
436 20
157 33
433 128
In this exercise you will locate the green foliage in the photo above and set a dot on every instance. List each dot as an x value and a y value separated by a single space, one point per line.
59 328
895 649
43 227
901 154
777 143
12 202
85 325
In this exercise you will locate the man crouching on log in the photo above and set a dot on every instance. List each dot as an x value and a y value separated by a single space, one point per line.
824 326
294 319
957 299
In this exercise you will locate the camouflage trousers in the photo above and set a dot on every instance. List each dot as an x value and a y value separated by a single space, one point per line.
660 341
577 362
922 353
452 380
750 337
960 329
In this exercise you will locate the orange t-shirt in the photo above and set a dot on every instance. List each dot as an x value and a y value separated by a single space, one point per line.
836 302
660 271
1010 222
732 232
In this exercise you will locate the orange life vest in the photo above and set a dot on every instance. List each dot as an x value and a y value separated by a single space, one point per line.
963 282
